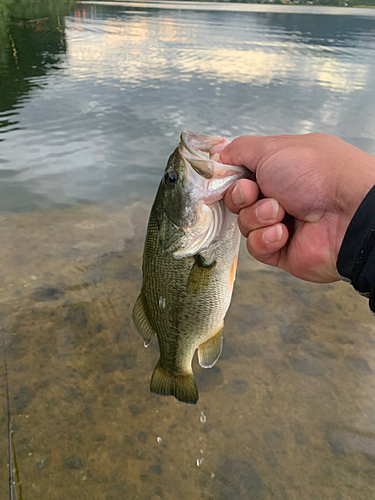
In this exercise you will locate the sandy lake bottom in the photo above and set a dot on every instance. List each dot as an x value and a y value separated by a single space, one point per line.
288 412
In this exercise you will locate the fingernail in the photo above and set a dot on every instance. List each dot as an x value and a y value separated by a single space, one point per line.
237 196
273 234
267 210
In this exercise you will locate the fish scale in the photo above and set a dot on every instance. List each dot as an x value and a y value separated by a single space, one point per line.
186 290
192 317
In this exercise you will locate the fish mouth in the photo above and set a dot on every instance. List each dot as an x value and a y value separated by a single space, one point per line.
198 148
206 180
213 176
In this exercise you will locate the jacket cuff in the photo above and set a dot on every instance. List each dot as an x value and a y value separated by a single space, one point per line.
356 259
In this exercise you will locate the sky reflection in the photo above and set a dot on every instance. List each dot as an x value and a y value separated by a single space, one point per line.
99 114
137 48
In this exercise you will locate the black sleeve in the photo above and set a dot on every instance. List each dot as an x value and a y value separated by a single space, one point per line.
356 259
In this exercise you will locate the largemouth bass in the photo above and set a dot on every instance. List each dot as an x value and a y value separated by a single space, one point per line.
189 265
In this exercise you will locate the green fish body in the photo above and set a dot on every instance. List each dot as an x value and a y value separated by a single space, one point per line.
189 265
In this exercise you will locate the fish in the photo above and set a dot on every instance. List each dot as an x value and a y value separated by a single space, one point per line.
189 264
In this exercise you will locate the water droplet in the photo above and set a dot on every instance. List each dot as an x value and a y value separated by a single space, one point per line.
159 439
201 451
203 417
162 302
199 462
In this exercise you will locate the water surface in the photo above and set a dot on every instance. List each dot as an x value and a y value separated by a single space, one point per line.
93 101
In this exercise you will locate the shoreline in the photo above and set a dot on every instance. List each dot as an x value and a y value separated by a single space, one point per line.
233 6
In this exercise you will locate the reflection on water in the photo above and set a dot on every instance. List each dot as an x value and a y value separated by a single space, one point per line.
100 95
93 100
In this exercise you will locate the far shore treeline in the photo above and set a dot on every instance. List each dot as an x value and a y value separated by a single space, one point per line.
34 7
335 3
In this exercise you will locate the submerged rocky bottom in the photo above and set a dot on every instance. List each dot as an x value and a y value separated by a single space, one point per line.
288 412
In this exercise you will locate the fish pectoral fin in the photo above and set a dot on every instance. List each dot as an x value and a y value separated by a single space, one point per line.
209 352
181 386
200 275
141 322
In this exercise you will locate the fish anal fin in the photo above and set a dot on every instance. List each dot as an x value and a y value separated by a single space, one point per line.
181 386
141 322
200 275
209 351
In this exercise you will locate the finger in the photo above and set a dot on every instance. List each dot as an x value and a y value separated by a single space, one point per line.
265 244
263 213
219 147
242 194
250 150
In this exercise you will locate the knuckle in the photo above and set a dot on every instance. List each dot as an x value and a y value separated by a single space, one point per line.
256 246
245 219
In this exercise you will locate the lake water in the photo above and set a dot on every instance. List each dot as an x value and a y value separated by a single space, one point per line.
93 99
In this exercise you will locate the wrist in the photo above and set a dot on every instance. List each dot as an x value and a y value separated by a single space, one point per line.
354 190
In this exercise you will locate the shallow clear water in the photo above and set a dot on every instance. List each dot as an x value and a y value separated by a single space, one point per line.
93 101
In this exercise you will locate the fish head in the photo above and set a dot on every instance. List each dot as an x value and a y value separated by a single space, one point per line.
189 206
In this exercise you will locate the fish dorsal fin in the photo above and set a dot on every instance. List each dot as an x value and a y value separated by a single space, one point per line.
209 352
181 386
141 322
200 275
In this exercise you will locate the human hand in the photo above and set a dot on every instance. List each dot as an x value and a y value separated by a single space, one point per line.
317 179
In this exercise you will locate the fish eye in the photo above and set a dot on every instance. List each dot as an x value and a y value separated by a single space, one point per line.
171 178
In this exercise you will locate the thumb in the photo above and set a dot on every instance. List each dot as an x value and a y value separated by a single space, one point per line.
248 150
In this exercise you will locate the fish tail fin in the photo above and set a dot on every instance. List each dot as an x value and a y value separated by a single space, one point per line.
182 387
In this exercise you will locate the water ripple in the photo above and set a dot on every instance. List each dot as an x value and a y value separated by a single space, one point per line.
109 101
